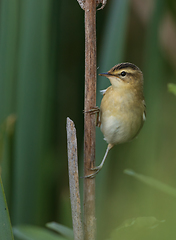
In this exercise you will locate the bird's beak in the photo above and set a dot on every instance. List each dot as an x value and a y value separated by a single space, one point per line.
106 74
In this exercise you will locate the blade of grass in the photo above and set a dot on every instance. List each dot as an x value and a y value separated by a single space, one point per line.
24 232
152 182
9 33
32 106
5 224
63 230
135 228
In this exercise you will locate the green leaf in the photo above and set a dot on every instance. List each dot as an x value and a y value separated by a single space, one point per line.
5 224
172 88
32 132
63 230
135 228
27 232
152 182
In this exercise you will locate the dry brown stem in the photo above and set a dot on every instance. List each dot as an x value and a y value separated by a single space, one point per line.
74 180
89 119
98 2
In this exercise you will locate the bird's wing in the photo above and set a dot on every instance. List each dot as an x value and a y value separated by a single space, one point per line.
98 122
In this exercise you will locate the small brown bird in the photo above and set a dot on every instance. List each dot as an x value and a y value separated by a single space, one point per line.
123 110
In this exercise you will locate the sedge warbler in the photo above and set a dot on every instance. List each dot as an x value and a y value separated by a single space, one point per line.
123 110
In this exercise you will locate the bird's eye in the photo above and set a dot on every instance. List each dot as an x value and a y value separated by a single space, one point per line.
123 74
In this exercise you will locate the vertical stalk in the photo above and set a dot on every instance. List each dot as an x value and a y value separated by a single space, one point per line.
89 119
74 180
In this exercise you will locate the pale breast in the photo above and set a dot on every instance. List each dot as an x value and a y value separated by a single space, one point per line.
120 120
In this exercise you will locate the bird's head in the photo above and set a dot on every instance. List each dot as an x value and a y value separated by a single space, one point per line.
125 74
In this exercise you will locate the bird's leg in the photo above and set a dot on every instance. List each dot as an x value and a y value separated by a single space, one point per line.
95 110
98 168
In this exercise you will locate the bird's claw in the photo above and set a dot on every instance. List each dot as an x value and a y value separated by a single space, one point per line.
93 110
96 169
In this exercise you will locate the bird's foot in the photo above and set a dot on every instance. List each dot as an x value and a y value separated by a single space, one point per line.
96 169
93 110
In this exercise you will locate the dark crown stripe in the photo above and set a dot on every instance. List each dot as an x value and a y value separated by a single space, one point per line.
125 65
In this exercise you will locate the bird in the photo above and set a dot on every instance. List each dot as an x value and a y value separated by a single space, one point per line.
122 112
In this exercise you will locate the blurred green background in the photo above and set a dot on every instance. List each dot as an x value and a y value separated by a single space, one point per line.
42 82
